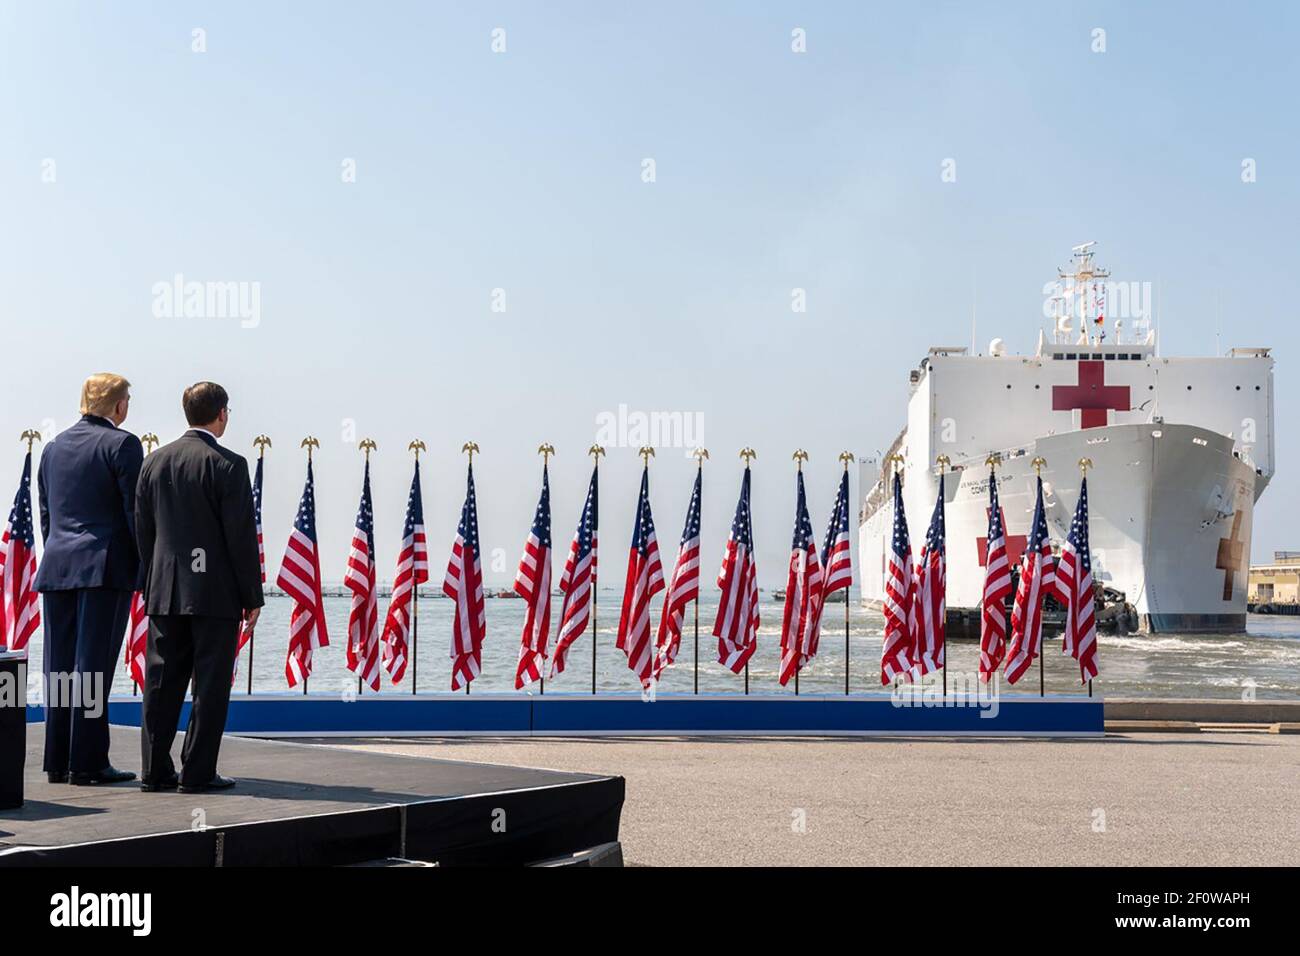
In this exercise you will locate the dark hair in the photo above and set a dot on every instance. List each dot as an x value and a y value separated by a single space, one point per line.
203 402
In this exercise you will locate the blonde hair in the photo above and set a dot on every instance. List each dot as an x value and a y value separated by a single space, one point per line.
102 392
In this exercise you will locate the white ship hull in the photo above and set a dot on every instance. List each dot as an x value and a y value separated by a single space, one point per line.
1171 517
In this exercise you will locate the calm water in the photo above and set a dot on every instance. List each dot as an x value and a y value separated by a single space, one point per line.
1165 665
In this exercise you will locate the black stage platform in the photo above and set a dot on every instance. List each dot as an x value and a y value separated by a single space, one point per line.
303 805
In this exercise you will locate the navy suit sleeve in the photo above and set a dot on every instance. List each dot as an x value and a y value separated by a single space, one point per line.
44 504
126 469
145 531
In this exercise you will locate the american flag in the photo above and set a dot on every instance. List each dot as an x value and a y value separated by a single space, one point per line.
837 557
137 639
645 579
300 579
803 592
412 570
896 656
20 609
359 578
997 585
464 584
683 587
533 584
736 627
578 581
1037 579
931 596
1074 589
245 634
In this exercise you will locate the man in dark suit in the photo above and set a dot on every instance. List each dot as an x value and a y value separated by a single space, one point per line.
86 484
202 576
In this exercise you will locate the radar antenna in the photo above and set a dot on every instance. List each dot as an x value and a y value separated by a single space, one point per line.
1076 285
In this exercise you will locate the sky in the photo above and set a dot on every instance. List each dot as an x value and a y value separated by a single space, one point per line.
448 216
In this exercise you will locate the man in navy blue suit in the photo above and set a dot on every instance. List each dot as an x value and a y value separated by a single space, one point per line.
87 573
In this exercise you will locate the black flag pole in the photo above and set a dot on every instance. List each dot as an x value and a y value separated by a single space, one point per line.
546 450
595 451
1038 464
895 462
846 456
1084 465
366 445
469 448
700 454
697 644
799 457
148 439
415 446
748 454
262 443
309 443
943 461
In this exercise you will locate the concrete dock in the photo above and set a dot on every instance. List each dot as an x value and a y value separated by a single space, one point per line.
1206 798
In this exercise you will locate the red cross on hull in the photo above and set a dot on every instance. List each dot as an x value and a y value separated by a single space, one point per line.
1092 396
1015 544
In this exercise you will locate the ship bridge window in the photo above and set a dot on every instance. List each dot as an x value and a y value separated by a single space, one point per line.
1070 356
1109 356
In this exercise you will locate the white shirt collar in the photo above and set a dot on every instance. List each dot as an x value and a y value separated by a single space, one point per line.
195 428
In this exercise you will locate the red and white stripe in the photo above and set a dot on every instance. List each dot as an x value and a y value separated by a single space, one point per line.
244 633
412 570
1075 590
1037 580
137 639
900 615
736 626
577 583
683 588
363 618
20 609
1027 614
929 640
993 615
645 579
931 611
300 579
533 584
899 606
738 615
463 583
1080 636
837 559
801 616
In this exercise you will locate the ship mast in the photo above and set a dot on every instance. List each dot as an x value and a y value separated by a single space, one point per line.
1076 284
